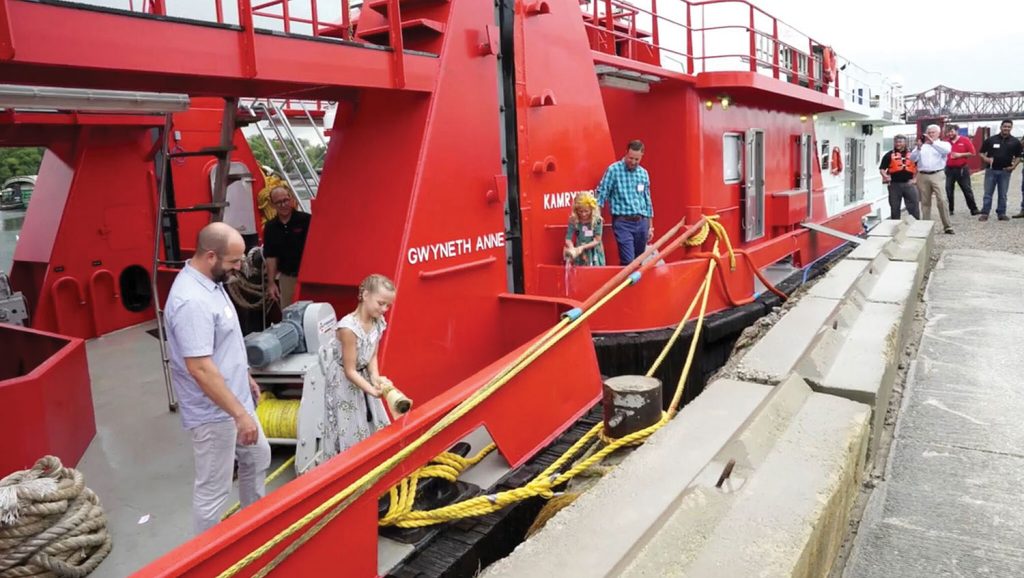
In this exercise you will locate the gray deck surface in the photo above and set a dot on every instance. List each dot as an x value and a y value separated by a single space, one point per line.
140 462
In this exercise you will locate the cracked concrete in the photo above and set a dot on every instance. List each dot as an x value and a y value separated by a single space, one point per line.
950 502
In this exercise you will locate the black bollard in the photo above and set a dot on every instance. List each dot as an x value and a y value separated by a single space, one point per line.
631 403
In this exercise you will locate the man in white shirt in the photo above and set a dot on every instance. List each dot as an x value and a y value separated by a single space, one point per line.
930 156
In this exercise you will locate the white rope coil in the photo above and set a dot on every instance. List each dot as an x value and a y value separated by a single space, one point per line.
50 523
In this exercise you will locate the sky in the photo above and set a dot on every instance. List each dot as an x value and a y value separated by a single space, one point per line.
971 46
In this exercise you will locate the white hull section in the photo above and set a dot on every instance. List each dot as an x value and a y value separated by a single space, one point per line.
857 181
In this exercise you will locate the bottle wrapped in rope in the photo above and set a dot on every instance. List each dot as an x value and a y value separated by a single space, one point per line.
397 402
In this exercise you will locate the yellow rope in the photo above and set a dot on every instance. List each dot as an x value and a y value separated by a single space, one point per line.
279 417
273 476
543 484
540 486
334 505
447 466
710 223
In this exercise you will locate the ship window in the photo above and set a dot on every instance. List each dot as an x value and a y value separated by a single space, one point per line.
732 157
878 153
136 291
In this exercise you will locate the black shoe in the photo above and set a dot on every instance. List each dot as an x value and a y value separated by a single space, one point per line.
975 212
951 213
949 231
983 218
1004 218
1019 215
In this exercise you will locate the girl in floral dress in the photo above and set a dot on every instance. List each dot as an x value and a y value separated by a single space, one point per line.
354 407
585 225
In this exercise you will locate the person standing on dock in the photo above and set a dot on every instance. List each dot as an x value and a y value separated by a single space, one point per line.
1001 154
627 186
210 373
957 171
930 156
898 170
284 240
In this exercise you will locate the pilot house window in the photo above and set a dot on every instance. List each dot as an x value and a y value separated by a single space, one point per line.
732 157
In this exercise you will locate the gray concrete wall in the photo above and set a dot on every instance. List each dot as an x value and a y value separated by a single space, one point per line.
798 414
799 457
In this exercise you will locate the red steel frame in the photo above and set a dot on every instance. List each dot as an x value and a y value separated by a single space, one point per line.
43 374
413 187
94 207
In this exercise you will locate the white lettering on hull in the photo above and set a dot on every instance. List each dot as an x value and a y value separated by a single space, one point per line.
563 200
455 248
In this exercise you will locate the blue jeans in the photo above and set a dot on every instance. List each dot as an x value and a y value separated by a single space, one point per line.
996 178
631 237
1022 195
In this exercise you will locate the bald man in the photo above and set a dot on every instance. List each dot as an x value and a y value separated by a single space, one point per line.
210 373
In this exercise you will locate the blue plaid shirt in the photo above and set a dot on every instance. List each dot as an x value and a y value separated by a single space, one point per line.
629 191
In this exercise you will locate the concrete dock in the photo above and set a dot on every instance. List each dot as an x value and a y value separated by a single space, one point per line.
950 502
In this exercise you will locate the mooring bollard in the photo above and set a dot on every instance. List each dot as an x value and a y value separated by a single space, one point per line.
631 403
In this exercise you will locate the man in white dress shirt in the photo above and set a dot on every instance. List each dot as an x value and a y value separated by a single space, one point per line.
930 156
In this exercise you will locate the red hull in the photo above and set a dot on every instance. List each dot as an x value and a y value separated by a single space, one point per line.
439 180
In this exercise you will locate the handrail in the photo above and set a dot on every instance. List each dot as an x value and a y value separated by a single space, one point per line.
765 50
293 17
68 279
93 283
54 291
637 264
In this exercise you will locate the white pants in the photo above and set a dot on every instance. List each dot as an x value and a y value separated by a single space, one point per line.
215 450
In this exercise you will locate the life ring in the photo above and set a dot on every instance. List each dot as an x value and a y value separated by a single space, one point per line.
828 67
836 166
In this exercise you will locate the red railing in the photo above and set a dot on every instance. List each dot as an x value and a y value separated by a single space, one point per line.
294 108
740 32
315 18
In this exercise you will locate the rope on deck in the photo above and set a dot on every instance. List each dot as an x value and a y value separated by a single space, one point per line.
50 523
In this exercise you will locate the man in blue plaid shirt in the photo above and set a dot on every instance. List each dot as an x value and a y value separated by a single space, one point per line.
628 186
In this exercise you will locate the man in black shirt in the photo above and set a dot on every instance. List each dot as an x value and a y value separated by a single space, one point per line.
898 171
1001 153
284 239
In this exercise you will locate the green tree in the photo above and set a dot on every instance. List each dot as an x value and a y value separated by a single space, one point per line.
262 153
19 162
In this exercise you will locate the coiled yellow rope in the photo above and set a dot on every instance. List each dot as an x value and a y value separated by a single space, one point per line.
541 486
279 417
544 483
447 466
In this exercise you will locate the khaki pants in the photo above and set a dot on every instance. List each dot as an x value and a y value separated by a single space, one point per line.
933 186
286 283
215 451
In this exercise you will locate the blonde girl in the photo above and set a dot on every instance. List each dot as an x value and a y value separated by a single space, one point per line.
354 407
583 237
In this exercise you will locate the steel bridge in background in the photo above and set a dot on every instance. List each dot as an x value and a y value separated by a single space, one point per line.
964 106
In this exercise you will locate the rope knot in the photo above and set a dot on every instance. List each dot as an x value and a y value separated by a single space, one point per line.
50 523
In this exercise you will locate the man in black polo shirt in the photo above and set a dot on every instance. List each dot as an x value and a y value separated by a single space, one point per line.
1001 153
284 239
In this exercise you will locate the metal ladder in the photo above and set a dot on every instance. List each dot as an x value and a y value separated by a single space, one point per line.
290 154
166 231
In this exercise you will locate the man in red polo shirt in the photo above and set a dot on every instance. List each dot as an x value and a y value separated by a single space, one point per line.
956 168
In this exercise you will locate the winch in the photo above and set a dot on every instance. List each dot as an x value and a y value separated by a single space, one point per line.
289 362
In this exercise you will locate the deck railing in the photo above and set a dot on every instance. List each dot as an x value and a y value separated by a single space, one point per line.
334 19
728 35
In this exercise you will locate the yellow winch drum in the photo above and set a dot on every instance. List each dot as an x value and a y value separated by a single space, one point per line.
279 417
